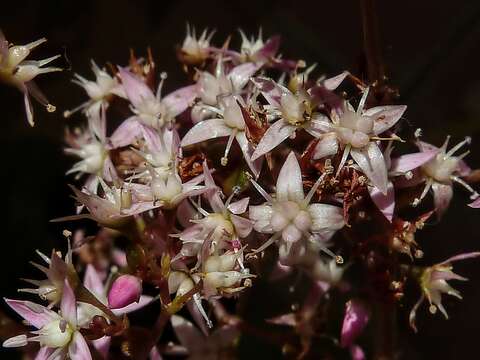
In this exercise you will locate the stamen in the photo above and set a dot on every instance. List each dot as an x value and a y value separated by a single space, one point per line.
467 141
266 244
224 159
393 137
313 190
460 181
346 151
68 113
428 185
198 303
163 76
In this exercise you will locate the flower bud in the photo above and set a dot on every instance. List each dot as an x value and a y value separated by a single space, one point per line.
355 320
125 290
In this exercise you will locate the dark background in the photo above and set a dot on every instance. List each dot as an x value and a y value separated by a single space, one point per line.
432 52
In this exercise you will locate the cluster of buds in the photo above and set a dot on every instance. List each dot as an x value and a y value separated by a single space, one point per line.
199 191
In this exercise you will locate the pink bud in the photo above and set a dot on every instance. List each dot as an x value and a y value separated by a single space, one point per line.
355 320
125 290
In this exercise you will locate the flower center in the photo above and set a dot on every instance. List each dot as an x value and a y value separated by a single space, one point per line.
56 334
354 129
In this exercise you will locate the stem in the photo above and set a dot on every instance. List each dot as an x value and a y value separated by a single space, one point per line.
371 42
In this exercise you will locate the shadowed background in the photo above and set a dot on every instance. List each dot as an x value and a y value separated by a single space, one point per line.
432 52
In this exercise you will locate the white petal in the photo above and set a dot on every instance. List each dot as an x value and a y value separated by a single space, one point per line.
289 181
371 161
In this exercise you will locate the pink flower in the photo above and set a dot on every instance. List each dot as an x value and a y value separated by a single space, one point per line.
91 146
357 132
149 110
221 229
114 209
195 51
99 91
294 111
433 283
125 290
18 72
229 123
51 289
440 172
58 335
294 222
401 166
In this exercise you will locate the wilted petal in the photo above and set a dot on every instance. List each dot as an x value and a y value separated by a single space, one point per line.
78 348
385 203
269 89
269 49
274 135
408 162
371 162
384 117
289 181
442 194
35 314
205 130
137 91
355 319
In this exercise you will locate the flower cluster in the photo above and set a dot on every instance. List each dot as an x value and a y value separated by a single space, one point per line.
256 169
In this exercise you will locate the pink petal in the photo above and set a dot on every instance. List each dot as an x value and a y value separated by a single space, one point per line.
68 305
35 314
269 89
187 334
356 352
334 82
241 74
270 48
126 133
289 181
355 319
463 256
155 354
371 162
239 207
137 91
385 203
179 100
102 345
328 145
206 130
274 135
408 162
326 216
44 353
142 302
475 204
423 146
185 212
442 194
92 281
78 348
385 116
213 195
243 226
